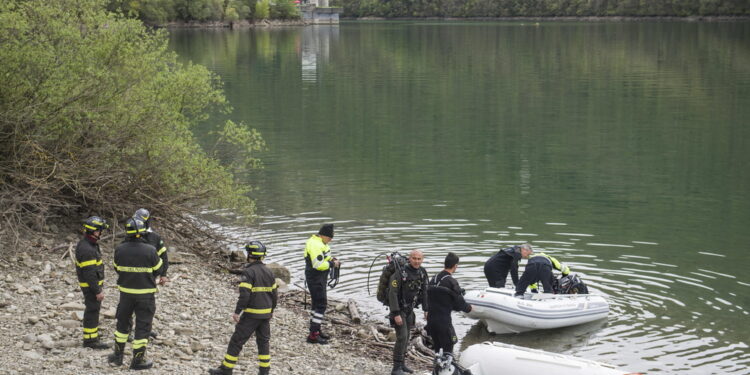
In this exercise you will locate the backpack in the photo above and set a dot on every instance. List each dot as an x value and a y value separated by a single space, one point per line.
395 263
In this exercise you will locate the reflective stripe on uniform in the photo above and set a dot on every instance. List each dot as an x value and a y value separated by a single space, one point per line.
90 333
92 262
86 285
264 360
161 251
121 337
316 317
264 288
246 285
134 269
139 269
229 361
258 311
137 344
137 291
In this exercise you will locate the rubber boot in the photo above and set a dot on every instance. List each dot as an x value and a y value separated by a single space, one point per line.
95 344
221 370
406 369
397 368
153 334
139 360
116 357
264 370
315 338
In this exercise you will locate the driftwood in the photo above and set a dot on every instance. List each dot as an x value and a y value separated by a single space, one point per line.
60 247
353 311
375 333
68 253
72 257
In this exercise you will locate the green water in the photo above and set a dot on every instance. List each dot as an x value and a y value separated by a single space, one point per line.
620 148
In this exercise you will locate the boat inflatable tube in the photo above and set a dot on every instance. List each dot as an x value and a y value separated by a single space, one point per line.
504 313
494 358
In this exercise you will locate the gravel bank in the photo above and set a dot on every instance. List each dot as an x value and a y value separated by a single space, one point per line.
40 328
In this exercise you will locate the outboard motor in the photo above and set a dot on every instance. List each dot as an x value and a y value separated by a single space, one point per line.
444 365
572 284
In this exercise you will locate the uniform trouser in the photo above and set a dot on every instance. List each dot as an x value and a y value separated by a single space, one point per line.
90 315
535 272
242 332
496 273
402 334
442 333
144 307
319 303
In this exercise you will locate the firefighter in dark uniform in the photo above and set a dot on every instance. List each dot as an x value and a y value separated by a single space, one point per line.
318 263
496 268
538 269
258 296
406 291
445 295
90 272
155 240
138 266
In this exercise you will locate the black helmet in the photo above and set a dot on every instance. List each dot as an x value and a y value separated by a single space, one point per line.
143 215
134 227
255 249
95 223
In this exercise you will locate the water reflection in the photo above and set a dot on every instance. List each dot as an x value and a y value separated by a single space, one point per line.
316 44
619 148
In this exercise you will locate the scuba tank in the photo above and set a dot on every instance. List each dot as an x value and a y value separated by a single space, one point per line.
445 365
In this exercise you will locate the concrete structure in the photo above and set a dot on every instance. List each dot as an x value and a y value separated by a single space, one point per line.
318 12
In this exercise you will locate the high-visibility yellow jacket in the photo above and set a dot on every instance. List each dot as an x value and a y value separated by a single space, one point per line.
317 255
554 262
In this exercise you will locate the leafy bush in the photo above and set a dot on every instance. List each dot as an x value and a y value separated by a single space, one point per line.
262 10
96 116
285 10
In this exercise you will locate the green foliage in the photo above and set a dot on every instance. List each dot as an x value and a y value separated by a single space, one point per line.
285 10
96 116
543 8
262 10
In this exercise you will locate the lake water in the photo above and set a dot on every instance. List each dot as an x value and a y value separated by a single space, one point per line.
619 148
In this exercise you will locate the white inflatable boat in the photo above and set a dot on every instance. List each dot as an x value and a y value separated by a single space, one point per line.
500 359
504 313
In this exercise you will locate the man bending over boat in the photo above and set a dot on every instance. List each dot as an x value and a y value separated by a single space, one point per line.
497 267
539 269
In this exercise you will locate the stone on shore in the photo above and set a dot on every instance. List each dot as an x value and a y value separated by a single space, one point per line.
73 306
280 272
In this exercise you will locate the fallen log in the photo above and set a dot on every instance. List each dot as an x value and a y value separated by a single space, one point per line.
353 311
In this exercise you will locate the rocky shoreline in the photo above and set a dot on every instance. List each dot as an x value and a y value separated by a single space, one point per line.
41 307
